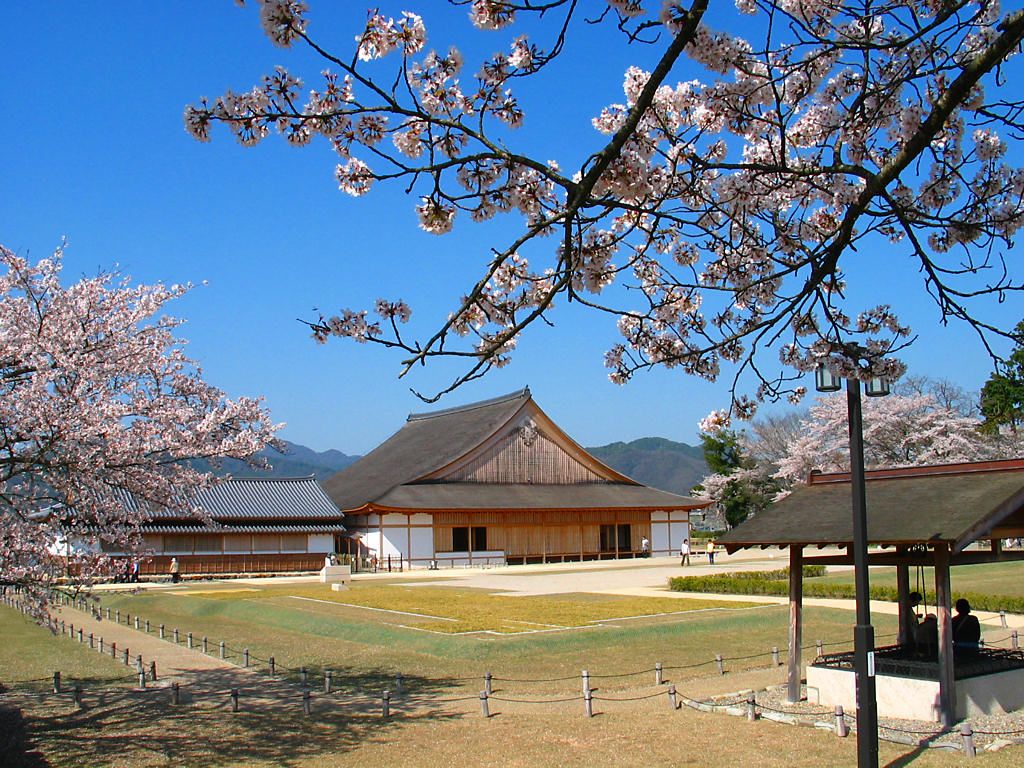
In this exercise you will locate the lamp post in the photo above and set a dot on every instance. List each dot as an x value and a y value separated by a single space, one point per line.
863 633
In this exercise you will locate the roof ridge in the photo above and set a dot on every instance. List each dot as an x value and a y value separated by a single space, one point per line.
295 479
520 394
922 470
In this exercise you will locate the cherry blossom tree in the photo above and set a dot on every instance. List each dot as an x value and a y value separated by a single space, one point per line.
98 400
899 431
725 196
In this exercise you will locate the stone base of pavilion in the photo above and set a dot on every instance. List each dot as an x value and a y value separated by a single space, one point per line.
990 682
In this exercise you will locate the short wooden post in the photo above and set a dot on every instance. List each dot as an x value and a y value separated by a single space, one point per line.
234 699
328 675
967 734
81 635
142 679
721 663
485 708
586 682
138 623
487 682
206 645
304 675
751 707
78 696
307 702
56 682
399 680
818 647
108 614
125 657
385 704
222 649
273 666
147 626
91 642
658 673
588 703
775 656
117 616
245 658
177 636
1014 640
71 631
672 697
152 671
842 729
138 664
161 631
100 645
1002 618
175 694
113 650
188 640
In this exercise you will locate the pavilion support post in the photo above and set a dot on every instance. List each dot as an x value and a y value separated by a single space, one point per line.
943 598
796 621
907 619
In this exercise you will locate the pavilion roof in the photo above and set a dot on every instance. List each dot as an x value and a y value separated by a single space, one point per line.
952 503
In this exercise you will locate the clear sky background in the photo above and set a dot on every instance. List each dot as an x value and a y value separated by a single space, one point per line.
93 148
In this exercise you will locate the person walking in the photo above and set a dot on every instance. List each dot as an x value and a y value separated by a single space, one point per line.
710 549
175 570
684 553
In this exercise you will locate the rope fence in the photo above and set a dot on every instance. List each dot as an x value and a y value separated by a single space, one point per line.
259 693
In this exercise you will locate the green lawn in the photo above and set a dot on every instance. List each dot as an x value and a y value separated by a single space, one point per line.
985 578
366 648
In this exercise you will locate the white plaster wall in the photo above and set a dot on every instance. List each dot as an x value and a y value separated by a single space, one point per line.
320 542
990 694
666 537
422 545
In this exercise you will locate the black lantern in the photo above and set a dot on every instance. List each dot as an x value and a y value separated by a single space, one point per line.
876 387
826 380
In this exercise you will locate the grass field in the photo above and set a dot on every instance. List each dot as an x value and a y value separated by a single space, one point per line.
366 648
987 578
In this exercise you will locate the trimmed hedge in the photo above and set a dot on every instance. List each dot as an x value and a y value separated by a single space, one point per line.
774 583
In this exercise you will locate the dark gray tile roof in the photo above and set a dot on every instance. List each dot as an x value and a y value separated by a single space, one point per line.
426 443
482 496
191 527
386 477
951 503
298 499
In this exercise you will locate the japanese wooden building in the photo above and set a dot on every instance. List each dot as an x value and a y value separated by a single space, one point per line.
916 516
256 525
498 482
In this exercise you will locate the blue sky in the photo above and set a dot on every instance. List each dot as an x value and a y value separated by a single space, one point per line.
93 148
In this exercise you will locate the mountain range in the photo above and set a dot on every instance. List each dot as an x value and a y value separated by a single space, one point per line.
653 461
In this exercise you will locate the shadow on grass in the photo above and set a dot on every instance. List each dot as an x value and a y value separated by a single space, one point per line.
16 749
122 725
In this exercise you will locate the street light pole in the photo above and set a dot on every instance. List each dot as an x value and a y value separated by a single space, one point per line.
863 633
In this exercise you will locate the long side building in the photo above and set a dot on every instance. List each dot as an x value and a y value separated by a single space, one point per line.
498 482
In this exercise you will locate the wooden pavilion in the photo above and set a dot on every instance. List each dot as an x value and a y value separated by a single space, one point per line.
498 482
917 516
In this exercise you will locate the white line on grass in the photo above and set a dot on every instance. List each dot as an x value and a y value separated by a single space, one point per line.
368 608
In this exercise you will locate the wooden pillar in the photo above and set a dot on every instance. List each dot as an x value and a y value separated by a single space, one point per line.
907 619
943 597
796 620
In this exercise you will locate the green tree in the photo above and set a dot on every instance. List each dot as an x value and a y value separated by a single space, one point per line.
740 485
1002 397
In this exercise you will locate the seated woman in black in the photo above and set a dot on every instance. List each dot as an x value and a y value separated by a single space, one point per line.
966 630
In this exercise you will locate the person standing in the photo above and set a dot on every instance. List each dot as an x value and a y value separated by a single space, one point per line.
175 570
711 551
684 552
135 572
645 547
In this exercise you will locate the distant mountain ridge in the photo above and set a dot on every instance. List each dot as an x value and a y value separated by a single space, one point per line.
654 461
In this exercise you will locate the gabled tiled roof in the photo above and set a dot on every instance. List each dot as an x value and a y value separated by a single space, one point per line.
953 503
295 499
397 474
427 442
